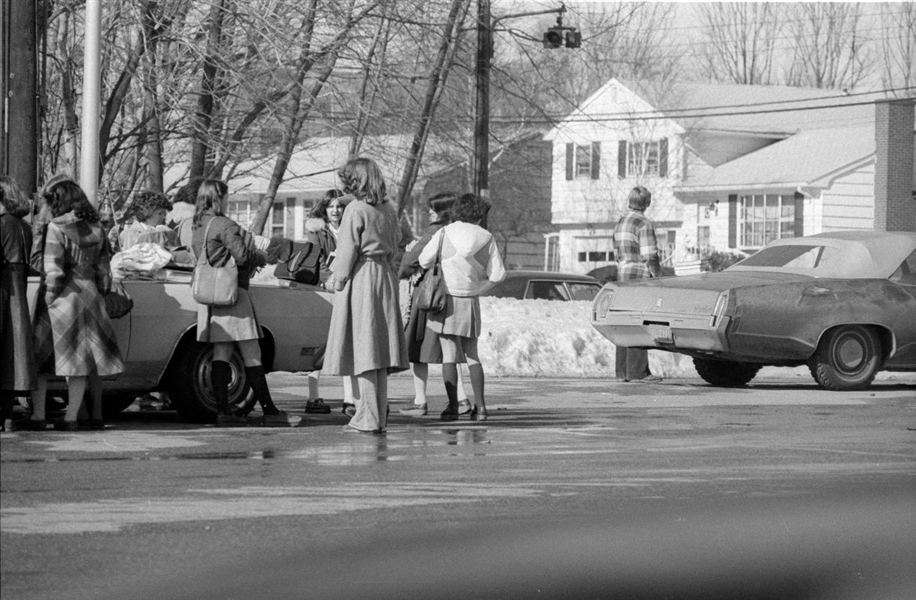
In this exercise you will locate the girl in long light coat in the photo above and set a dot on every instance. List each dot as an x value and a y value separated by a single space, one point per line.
366 337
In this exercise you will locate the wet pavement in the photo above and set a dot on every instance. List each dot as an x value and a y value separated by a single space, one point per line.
85 514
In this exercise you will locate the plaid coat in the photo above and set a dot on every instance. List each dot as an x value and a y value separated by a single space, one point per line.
73 333
635 247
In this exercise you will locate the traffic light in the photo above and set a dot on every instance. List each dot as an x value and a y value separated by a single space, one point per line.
573 39
553 37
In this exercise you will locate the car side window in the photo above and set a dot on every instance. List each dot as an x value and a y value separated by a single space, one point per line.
583 291
546 290
906 272
513 287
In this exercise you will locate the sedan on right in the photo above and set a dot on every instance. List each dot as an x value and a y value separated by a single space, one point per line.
843 303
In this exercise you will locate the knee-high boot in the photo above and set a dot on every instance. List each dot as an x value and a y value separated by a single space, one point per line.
258 382
220 374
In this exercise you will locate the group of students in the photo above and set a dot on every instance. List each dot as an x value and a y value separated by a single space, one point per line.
368 339
359 232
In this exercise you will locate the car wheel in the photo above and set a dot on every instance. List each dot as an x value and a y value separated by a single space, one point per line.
191 393
847 358
113 404
725 373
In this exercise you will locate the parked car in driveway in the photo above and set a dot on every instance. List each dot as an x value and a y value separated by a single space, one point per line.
844 303
158 342
545 285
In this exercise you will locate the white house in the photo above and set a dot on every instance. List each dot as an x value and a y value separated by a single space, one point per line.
731 167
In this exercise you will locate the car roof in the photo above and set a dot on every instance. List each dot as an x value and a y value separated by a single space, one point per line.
862 254
549 275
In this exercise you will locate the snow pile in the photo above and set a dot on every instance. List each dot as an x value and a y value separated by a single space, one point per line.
540 338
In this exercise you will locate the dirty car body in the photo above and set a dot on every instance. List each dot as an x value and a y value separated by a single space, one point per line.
158 342
844 303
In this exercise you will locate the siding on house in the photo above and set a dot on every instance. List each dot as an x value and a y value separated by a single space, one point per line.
849 202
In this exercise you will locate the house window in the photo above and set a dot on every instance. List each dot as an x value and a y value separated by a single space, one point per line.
764 218
583 161
242 212
642 158
277 220
552 252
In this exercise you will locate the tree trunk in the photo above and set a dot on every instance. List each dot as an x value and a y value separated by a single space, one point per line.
203 118
437 80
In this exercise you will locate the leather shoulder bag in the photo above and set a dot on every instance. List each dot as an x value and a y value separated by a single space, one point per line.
214 286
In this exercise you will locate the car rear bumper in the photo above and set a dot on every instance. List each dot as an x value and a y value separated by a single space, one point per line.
668 332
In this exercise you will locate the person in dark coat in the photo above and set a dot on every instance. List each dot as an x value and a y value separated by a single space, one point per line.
17 355
423 346
228 326
321 228
76 339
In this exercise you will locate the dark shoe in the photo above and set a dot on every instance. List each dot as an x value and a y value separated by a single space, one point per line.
281 419
231 421
414 410
464 406
649 379
349 409
317 406
478 414
449 414
66 426
30 425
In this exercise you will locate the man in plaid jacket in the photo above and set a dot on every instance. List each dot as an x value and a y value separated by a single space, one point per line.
637 258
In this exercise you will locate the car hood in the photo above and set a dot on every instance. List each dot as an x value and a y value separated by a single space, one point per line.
692 294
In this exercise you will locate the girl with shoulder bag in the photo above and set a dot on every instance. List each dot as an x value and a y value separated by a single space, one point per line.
227 326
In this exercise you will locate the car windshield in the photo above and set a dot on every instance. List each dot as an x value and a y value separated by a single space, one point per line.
792 257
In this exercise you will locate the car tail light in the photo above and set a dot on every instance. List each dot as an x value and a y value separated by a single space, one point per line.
603 303
719 311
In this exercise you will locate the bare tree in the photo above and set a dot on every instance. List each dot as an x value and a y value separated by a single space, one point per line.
899 48
830 50
740 41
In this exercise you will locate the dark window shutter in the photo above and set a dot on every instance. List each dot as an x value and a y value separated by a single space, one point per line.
596 160
570 157
799 214
663 157
732 221
621 159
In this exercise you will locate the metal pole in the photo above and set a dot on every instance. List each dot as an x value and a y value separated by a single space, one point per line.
482 114
89 149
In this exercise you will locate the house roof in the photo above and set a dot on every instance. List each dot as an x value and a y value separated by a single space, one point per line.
808 158
313 166
775 111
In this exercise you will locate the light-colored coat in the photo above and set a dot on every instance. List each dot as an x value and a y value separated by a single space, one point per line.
366 330
77 275
471 262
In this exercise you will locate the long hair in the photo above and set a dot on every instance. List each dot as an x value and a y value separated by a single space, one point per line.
210 199
12 198
65 196
442 205
470 209
640 198
363 178
320 211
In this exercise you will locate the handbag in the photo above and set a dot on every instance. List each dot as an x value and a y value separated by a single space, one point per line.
214 286
299 261
431 294
117 301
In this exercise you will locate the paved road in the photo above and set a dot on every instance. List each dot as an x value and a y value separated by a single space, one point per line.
646 473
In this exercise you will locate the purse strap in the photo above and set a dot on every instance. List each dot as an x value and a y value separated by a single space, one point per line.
439 252
203 253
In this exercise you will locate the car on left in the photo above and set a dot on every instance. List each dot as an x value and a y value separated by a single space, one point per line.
158 342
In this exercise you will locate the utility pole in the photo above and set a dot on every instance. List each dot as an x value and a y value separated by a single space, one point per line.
19 125
89 133
485 25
